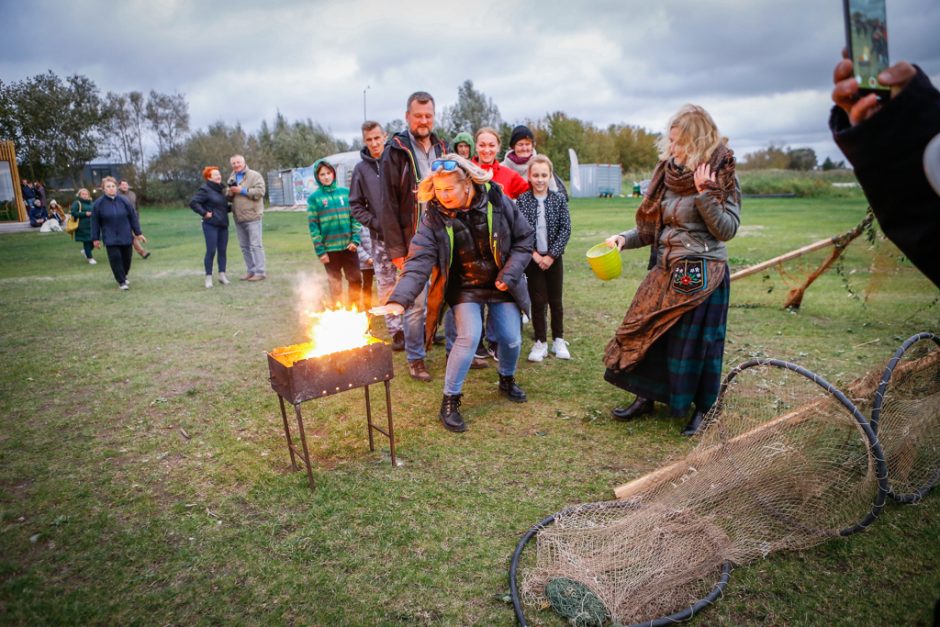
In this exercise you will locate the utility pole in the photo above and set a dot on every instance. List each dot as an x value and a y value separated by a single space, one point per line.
364 116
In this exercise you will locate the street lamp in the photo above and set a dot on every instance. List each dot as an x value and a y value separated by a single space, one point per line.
364 116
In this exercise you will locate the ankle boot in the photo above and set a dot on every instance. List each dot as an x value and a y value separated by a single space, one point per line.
695 424
640 407
450 414
507 386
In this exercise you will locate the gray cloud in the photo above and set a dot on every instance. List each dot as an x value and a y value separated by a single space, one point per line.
762 68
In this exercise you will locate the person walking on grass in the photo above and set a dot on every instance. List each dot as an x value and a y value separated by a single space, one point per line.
210 203
246 191
124 189
81 211
546 212
473 244
335 235
114 222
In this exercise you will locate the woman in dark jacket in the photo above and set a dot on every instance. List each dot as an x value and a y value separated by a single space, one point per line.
474 245
210 202
114 222
81 211
670 345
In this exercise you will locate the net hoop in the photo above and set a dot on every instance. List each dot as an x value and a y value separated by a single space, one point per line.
874 445
878 403
663 621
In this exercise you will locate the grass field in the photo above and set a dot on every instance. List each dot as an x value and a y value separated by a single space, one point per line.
144 477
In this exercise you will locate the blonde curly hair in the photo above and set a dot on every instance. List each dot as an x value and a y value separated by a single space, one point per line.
466 169
698 134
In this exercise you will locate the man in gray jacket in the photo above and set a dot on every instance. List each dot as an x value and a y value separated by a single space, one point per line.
246 191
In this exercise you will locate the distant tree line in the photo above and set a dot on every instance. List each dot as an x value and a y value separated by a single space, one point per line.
59 125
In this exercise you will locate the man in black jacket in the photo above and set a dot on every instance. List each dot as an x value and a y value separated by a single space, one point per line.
406 161
365 204
886 143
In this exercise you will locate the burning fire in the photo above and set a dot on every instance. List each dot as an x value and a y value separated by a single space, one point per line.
334 330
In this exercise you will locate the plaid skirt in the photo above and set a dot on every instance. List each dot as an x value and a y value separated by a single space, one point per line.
683 366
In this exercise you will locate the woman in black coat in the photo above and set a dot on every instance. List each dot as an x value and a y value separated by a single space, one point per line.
210 202
114 222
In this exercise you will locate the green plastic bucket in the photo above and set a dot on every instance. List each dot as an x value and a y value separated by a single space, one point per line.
604 261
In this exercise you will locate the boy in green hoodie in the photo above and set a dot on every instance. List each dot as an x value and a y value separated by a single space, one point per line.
335 235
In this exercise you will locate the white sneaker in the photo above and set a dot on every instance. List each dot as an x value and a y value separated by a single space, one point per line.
539 351
92 262
208 280
223 279
560 348
124 286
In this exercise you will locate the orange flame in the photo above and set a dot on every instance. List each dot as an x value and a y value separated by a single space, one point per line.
339 329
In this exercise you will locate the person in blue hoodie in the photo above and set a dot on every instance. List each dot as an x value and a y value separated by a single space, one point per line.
114 222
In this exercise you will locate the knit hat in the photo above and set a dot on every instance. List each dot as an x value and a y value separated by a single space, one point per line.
520 132
207 171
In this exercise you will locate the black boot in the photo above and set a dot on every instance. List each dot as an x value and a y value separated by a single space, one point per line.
507 386
640 407
450 414
694 424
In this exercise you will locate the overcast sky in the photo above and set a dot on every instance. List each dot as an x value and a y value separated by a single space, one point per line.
763 68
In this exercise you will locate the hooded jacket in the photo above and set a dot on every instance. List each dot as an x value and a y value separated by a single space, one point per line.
465 138
365 193
332 227
210 197
430 255
400 211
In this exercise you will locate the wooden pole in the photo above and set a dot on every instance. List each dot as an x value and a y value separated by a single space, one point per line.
836 240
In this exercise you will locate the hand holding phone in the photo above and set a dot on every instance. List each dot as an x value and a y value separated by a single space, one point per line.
846 93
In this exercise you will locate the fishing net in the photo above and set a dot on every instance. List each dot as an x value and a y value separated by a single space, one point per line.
906 416
786 461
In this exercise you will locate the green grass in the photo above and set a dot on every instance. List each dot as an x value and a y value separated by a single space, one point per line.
144 476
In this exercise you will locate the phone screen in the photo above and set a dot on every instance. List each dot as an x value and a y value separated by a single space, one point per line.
866 29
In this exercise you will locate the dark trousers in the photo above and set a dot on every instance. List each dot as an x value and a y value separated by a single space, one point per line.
88 247
545 287
216 241
120 259
368 274
340 263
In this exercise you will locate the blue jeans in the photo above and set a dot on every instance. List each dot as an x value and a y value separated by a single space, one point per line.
505 324
216 241
414 327
450 328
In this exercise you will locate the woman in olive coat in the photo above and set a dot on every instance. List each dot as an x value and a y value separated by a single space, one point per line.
81 211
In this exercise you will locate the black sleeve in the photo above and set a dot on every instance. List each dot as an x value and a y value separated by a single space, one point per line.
390 213
887 153
359 204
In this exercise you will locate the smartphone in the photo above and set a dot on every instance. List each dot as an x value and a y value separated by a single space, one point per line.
866 38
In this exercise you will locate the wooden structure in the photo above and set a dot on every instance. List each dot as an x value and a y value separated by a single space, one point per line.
12 208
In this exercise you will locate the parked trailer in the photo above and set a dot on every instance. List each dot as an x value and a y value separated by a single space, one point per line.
292 186
595 180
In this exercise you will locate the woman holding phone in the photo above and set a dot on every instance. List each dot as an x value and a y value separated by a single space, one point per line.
211 203
670 345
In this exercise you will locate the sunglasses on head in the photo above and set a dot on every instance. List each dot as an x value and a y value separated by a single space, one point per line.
447 165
